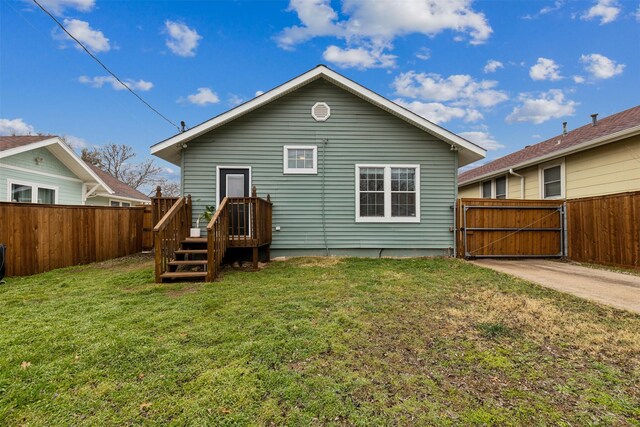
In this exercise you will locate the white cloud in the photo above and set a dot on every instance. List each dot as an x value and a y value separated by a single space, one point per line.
548 105
57 7
10 127
94 40
605 10
461 90
637 14
423 53
259 92
375 24
546 10
75 142
204 96
492 66
545 69
235 100
99 81
440 113
484 139
358 57
183 41
600 67
579 79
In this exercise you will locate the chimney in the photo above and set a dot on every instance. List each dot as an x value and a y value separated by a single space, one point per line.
564 128
594 119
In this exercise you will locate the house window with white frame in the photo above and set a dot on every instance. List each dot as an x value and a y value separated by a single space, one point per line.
387 193
552 182
494 188
501 187
300 159
32 193
486 189
118 203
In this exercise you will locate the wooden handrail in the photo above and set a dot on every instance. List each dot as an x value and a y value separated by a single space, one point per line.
217 239
169 232
164 221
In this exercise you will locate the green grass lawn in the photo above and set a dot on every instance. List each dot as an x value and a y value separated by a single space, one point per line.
312 342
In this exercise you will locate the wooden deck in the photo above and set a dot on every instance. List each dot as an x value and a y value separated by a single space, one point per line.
239 222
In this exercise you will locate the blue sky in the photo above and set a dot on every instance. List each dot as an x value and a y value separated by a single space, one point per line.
504 74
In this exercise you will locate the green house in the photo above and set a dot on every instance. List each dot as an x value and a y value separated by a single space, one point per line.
43 169
348 171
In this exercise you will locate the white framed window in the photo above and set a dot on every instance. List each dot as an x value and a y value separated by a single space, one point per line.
387 193
118 203
30 192
500 187
496 188
486 191
552 180
300 159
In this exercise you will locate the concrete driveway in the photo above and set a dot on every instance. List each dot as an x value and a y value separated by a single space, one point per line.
616 289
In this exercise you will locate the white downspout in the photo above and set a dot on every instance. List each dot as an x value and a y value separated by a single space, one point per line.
511 172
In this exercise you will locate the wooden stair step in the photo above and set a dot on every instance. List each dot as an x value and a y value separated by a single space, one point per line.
191 251
194 240
184 275
189 262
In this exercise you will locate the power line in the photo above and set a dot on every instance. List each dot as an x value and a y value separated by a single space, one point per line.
104 66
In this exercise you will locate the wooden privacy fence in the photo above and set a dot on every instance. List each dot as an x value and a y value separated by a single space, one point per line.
43 237
605 229
160 205
509 228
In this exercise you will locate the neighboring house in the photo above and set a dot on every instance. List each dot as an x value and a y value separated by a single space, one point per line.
43 169
348 171
600 158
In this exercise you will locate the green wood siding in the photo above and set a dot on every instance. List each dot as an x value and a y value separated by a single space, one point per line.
357 132
51 172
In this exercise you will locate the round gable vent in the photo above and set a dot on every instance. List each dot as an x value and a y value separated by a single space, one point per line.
320 111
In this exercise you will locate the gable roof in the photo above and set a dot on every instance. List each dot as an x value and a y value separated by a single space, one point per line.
120 189
169 149
12 145
609 129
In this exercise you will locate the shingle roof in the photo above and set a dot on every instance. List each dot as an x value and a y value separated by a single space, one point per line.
606 126
9 142
120 188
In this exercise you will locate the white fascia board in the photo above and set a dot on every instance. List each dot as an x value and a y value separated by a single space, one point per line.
593 143
75 159
473 151
122 198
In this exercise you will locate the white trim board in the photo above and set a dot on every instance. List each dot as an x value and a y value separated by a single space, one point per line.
50 175
170 149
113 196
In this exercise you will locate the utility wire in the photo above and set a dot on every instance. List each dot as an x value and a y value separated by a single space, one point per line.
104 66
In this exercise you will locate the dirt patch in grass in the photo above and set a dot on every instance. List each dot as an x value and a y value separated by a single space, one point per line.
184 289
315 261
127 263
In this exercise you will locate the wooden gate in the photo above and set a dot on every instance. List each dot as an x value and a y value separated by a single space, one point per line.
489 228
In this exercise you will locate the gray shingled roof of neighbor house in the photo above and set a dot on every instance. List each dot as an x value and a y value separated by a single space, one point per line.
604 127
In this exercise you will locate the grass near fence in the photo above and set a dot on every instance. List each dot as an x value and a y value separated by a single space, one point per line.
312 342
